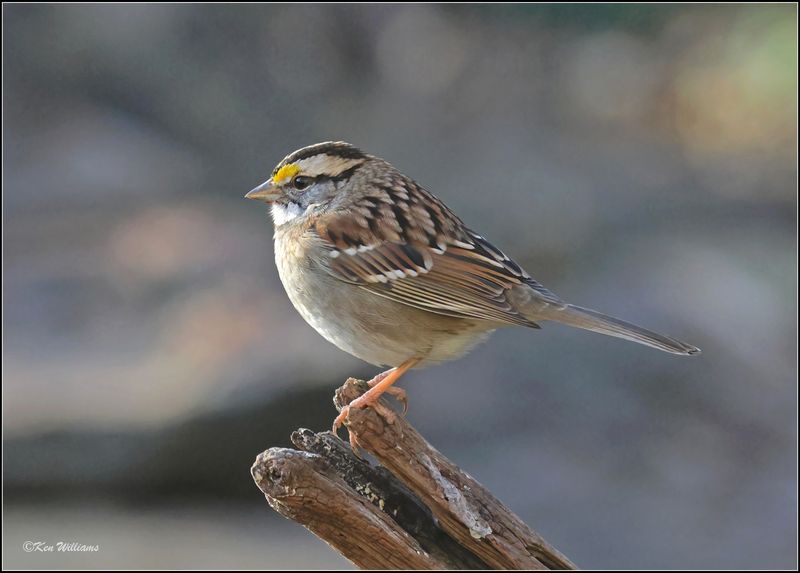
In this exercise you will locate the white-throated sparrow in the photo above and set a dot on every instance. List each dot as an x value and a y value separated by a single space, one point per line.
385 271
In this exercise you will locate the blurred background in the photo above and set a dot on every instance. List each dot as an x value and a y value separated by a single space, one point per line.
640 160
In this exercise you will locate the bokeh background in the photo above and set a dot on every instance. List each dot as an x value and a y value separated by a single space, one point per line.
640 160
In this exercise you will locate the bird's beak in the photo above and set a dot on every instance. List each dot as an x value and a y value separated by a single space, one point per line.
266 192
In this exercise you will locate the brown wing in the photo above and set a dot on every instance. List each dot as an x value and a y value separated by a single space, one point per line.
404 244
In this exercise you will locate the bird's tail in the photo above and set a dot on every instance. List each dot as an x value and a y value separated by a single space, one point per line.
598 322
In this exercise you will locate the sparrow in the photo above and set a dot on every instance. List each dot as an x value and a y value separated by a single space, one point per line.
384 270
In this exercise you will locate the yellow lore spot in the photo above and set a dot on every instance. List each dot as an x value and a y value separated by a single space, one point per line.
285 173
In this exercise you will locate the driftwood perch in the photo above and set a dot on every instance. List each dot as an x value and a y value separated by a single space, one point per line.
417 510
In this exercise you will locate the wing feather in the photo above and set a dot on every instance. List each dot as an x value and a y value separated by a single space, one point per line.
402 243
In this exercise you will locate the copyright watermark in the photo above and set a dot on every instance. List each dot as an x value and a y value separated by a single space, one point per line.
58 547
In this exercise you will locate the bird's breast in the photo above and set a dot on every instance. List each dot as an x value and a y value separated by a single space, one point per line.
373 328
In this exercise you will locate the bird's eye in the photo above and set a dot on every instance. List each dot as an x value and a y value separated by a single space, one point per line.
301 182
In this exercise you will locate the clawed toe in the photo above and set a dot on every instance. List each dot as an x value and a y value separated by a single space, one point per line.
385 412
339 420
401 396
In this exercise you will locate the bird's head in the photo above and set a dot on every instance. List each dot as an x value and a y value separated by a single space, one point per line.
311 178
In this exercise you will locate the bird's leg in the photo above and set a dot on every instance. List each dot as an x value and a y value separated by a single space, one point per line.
380 384
398 393
380 377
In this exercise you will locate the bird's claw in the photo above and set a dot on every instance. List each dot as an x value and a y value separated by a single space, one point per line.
399 395
380 384
338 422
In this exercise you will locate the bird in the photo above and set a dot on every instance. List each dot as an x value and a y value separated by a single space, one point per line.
384 270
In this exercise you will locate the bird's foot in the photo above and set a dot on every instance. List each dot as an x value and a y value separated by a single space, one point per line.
398 393
337 423
363 401
378 385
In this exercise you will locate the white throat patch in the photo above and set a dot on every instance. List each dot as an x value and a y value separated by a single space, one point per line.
282 214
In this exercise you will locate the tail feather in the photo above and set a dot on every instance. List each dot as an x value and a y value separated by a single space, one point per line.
598 322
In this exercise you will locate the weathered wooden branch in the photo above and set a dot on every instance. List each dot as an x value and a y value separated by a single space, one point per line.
417 510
